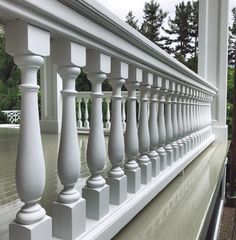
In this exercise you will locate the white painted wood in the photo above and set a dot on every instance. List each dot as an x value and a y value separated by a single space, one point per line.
96 192
116 178
79 116
161 126
108 114
69 209
143 130
123 114
131 167
153 130
86 115
30 167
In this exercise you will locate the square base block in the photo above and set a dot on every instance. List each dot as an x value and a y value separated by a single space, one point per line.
170 157
37 231
185 146
133 180
118 189
175 152
181 150
155 160
97 201
163 161
146 172
68 220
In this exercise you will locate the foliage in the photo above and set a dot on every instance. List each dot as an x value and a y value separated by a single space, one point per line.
131 20
230 100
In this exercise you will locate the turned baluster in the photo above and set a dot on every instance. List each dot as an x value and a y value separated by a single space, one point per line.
180 121
143 130
184 118
69 209
30 167
96 192
161 126
79 122
132 169
116 178
188 123
86 114
108 114
168 124
153 130
191 118
123 114
174 119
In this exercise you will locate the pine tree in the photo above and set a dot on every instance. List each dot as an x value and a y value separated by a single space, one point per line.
153 20
131 20
232 40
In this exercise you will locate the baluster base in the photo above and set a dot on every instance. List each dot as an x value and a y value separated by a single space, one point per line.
68 221
155 160
97 201
181 148
163 158
146 172
175 147
118 189
133 180
37 231
170 154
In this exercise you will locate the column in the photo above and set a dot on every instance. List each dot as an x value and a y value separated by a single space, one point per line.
161 126
68 212
108 115
96 191
143 130
153 130
132 170
180 122
31 221
174 119
116 178
168 123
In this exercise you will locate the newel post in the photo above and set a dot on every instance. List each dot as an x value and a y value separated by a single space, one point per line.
69 210
96 191
31 221
116 177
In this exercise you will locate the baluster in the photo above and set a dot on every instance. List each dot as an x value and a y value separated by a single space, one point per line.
153 130
86 115
69 210
184 118
188 118
143 130
180 122
168 124
117 180
123 114
197 117
31 220
108 115
200 116
194 118
191 118
139 106
161 126
174 119
79 122
96 191
132 169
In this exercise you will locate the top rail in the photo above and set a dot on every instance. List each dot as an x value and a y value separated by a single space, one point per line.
89 23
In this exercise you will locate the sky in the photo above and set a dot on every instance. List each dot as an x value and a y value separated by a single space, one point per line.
122 7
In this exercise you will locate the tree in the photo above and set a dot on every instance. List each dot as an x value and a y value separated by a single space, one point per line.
132 21
153 20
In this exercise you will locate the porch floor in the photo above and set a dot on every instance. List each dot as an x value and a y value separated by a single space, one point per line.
175 214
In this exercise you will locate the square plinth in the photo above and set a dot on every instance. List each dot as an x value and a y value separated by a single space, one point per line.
37 231
118 189
68 220
97 201
155 160
146 172
133 180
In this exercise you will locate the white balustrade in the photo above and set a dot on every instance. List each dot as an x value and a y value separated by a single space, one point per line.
79 122
132 170
86 115
96 192
143 130
30 167
116 177
13 116
69 209
108 115
123 114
